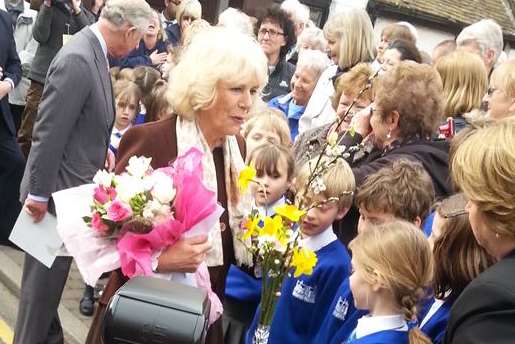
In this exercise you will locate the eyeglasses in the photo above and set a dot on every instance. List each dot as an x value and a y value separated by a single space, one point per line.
270 32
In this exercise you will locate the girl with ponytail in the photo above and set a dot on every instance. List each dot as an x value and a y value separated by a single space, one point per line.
392 269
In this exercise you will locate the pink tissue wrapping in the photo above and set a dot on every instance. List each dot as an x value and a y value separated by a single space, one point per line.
193 204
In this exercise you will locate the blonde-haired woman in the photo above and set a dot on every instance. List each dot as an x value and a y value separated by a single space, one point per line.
151 50
393 267
501 93
464 82
186 12
215 85
484 168
350 38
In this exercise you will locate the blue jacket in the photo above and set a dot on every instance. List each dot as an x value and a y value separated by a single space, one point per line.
435 326
139 56
292 111
173 34
304 300
341 318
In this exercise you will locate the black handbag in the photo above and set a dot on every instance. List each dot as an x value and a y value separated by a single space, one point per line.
152 310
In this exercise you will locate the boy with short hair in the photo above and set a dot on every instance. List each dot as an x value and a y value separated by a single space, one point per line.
402 190
304 300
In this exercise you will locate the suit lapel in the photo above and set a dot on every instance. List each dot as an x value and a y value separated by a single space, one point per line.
103 71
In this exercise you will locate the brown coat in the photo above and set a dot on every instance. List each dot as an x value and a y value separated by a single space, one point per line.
159 141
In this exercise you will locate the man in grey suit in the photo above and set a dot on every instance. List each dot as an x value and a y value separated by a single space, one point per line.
70 141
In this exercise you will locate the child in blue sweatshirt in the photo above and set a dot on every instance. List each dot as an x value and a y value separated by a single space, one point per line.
274 172
402 190
458 259
392 267
304 300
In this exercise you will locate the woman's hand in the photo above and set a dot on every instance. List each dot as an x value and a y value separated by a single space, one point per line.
158 58
361 122
185 255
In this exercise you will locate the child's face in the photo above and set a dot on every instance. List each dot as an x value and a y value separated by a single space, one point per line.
259 135
125 112
318 218
436 229
372 217
362 291
271 187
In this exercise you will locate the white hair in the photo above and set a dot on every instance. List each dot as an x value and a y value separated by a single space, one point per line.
486 32
297 11
137 13
412 29
314 37
216 54
314 60
235 19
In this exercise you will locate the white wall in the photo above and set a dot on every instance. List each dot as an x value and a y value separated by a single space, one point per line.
428 37
336 5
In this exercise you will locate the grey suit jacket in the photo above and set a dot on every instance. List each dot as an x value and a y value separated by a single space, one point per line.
74 121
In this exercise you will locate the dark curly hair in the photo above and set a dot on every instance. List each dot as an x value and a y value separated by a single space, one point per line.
275 15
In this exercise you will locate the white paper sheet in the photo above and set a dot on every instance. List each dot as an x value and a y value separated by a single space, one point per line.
40 240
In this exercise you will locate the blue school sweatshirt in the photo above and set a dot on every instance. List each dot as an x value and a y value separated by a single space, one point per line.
341 318
433 325
305 300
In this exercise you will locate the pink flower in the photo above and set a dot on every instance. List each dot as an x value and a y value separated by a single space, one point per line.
118 211
111 192
97 223
102 195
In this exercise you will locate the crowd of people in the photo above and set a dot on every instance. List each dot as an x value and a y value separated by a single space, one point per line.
413 226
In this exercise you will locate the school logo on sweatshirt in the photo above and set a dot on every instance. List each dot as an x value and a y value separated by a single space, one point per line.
342 306
304 292
283 84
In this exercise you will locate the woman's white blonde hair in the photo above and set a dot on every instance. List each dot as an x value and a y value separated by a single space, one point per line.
191 7
315 60
357 39
216 54
314 37
464 82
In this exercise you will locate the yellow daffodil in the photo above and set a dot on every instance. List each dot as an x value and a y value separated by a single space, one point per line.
290 212
247 174
303 260
272 226
251 227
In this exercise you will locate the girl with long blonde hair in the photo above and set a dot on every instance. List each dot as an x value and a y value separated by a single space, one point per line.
392 269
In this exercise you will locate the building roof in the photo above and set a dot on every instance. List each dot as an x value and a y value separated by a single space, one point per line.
454 13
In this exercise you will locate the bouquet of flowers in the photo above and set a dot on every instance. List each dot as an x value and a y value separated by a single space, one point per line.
275 243
126 220
277 248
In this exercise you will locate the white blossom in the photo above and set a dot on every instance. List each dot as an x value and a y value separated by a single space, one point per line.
104 178
138 166
128 186
163 190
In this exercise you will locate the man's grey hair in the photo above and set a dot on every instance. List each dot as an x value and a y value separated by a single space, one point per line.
486 33
298 12
137 13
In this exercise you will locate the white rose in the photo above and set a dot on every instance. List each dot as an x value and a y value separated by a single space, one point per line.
138 166
163 190
127 187
155 209
104 178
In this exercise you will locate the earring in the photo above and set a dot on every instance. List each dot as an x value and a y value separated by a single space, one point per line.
389 135
497 235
